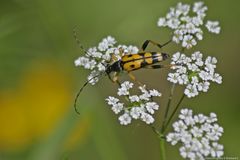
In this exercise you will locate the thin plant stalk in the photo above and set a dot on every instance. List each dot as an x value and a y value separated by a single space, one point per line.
168 106
173 113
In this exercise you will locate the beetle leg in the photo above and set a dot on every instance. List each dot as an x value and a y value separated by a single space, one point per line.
134 78
114 57
146 43
110 78
121 51
115 77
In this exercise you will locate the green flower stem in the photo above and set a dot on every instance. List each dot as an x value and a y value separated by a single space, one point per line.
162 140
162 148
168 107
173 113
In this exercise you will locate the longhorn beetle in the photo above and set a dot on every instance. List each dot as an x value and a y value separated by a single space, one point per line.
129 62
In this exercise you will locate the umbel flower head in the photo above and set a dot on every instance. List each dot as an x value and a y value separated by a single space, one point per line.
186 23
138 107
198 135
97 58
194 72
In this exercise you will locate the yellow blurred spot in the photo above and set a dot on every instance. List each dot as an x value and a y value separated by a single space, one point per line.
32 110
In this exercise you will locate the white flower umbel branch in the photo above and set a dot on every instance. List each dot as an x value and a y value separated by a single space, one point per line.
194 72
198 135
186 23
138 106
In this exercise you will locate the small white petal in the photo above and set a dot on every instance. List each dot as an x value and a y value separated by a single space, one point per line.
155 93
173 138
151 106
135 112
112 100
117 108
179 126
134 98
125 119
191 91
213 26
147 118
162 22
93 77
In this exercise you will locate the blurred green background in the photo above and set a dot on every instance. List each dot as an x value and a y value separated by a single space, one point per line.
39 80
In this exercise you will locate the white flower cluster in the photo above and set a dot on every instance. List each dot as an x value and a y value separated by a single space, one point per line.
198 135
97 58
187 22
194 72
140 106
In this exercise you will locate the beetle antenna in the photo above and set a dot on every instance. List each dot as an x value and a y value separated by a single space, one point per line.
75 35
81 89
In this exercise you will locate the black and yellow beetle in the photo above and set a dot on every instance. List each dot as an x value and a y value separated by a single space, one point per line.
130 62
